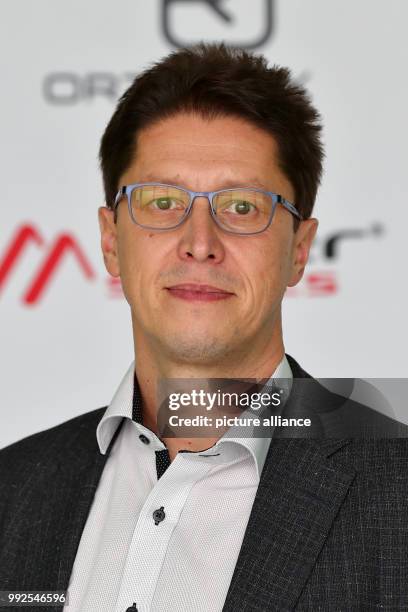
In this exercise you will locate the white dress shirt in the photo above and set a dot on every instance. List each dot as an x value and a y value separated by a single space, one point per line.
182 558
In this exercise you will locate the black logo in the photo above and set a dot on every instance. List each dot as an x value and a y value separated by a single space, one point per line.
208 18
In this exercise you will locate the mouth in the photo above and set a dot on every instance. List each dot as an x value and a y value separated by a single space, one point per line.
196 292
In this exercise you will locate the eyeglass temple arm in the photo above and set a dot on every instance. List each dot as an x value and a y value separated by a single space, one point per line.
118 196
286 204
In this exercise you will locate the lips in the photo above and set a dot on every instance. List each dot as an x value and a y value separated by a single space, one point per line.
194 291
198 288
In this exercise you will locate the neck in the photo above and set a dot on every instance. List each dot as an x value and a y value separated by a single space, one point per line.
258 359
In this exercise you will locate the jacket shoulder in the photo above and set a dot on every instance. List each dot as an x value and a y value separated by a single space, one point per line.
34 448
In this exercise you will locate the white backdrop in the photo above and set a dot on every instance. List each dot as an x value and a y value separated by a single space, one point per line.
65 336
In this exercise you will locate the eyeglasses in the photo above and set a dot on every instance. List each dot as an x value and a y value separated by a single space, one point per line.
244 211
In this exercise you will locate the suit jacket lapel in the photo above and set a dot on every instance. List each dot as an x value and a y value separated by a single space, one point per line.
301 489
299 495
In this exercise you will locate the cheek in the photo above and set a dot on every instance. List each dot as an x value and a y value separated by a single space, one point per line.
141 260
133 266
267 272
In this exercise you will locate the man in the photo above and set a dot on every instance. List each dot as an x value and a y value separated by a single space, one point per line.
211 164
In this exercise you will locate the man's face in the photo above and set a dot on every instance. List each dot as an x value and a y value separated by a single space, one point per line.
252 271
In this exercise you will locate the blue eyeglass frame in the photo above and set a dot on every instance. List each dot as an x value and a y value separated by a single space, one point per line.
276 198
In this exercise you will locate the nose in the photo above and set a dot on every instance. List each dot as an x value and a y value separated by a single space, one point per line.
200 237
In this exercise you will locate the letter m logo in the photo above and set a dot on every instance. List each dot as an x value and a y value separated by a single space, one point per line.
63 245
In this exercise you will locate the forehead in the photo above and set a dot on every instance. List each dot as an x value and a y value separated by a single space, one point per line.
216 139
206 154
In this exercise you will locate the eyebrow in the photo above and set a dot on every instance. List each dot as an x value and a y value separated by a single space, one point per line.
227 184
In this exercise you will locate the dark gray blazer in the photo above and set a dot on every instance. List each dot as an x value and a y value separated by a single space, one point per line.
328 530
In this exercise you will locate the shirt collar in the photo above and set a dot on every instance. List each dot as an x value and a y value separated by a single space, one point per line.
126 404
258 447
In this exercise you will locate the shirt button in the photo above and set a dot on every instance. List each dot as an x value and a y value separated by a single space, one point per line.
144 439
159 515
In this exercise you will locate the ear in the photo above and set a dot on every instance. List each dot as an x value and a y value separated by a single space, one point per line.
109 243
301 248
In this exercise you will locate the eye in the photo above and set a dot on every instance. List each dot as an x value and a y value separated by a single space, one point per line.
165 204
241 207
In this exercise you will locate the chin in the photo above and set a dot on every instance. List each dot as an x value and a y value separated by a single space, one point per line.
195 348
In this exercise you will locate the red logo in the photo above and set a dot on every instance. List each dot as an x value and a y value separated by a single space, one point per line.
63 245
315 284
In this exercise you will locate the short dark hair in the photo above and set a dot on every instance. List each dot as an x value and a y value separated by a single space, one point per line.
213 80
